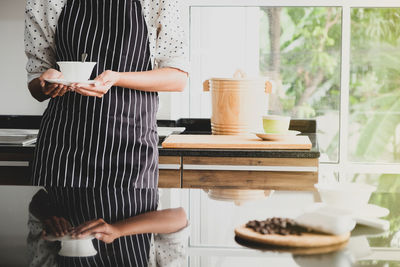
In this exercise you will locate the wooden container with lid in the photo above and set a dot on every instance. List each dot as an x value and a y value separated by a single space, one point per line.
237 103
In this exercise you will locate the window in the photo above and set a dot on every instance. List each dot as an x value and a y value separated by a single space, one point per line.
334 61
374 118
297 48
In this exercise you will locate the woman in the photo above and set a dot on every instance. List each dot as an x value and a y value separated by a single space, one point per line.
104 136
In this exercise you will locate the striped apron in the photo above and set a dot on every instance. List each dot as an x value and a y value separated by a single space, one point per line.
79 205
98 157
100 142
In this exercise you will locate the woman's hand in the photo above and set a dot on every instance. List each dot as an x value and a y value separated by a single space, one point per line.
52 89
99 228
103 83
57 226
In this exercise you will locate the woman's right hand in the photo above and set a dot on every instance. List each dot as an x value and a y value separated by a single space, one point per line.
57 226
52 89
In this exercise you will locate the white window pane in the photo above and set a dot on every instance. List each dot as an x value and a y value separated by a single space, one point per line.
374 121
298 48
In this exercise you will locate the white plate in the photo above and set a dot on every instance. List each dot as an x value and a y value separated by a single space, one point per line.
166 131
372 211
275 136
68 83
367 211
66 238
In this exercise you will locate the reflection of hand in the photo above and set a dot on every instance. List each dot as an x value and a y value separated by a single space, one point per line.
57 226
104 82
52 89
99 228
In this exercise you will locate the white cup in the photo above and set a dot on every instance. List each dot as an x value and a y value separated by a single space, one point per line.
77 247
76 71
345 195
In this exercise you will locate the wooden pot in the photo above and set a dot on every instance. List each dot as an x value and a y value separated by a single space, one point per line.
237 103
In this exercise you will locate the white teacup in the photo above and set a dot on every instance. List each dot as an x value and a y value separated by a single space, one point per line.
76 71
77 248
71 247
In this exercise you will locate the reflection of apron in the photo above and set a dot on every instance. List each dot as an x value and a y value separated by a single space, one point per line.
101 142
78 205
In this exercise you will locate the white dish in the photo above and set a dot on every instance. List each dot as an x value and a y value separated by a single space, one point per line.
368 211
373 222
327 219
275 136
372 211
74 247
68 83
166 131
367 215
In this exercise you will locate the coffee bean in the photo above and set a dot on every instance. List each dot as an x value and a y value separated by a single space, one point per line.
276 225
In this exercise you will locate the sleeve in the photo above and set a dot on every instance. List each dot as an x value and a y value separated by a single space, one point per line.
171 44
39 42
171 249
40 252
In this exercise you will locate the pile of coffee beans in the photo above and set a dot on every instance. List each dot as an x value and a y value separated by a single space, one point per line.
280 226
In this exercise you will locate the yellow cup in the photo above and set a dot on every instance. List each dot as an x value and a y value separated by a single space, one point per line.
276 124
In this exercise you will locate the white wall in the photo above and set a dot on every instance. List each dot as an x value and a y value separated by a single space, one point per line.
14 95
223 39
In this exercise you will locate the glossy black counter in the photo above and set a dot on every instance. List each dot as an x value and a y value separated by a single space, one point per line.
193 126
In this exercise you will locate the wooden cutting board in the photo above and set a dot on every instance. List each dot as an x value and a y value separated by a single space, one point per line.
234 142
305 240
293 250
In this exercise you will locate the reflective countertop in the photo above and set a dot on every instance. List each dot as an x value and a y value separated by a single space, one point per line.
212 241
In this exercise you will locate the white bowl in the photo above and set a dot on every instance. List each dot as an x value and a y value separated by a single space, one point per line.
75 247
75 71
348 196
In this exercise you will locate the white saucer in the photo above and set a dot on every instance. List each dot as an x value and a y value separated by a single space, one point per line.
367 211
66 238
372 211
277 136
68 83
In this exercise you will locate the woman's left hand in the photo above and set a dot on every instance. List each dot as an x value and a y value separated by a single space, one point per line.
99 228
103 83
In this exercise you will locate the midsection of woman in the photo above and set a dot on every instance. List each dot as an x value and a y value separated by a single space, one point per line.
97 156
110 141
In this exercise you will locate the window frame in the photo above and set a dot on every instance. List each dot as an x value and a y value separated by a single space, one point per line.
344 167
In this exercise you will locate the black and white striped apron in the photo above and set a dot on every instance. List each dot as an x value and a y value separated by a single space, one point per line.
78 205
100 142
98 157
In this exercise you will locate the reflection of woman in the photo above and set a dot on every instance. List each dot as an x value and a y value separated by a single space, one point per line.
54 209
104 135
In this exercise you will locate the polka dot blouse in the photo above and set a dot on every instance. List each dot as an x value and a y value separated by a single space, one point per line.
168 47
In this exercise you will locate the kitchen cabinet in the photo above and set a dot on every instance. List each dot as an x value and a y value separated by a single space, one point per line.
15 169
205 168
170 172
